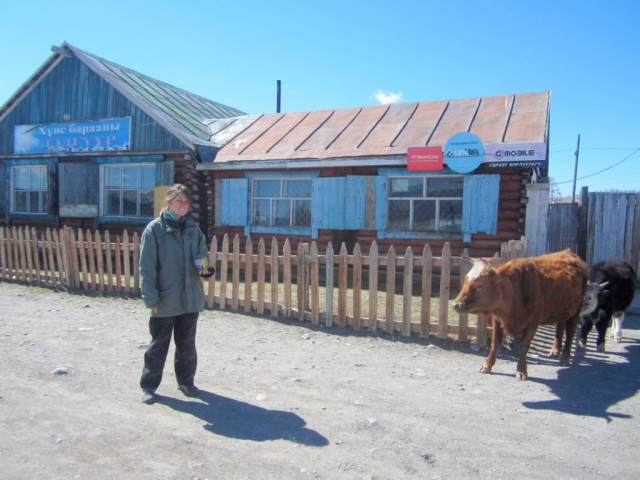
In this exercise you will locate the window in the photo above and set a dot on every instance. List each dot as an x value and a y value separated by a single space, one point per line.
425 203
281 202
127 190
29 192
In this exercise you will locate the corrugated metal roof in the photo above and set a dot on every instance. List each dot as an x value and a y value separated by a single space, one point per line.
184 114
382 130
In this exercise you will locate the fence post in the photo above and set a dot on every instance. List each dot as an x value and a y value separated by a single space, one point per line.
286 277
391 289
407 290
248 273
427 278
343 265
445 279
373 286
273 275
357 287
329 285
315 284
301 281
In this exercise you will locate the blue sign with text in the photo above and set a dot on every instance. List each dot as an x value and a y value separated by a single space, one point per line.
464 152
92 136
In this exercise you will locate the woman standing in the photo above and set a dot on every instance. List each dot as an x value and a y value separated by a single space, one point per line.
173 258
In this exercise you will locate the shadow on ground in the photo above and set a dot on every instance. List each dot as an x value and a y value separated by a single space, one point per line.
595 383
235 419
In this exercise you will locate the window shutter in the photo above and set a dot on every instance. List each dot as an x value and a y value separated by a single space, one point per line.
379 190
52 187
232 202
480 204
78 183
164 173
355 202
4 189
328 203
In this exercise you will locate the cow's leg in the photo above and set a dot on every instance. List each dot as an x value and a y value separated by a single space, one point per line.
601 325
525 343
557 340
616 330
570 328
585 328
497 338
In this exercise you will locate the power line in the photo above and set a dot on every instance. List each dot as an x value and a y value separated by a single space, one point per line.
604 170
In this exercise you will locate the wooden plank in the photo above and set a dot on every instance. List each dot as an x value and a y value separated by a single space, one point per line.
91 254
286 278
425 307
126 260
315 284
463 318
445 278
136 263
343 265
407 292
73 255
52 264
4 271
63 256
357 287
23 255
16 256
274 277
211 287
301 279
329 285
235 274
373 286
108 252
224 264
29 251
118 264
83 260
100 260
248 274
36 255
45 260
391 285
261 275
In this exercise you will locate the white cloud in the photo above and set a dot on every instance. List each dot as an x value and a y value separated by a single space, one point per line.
385 98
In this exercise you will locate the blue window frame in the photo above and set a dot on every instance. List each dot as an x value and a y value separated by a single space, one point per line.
29 189
127 190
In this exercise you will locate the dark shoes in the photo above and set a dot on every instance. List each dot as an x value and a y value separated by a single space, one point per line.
189 390
148 397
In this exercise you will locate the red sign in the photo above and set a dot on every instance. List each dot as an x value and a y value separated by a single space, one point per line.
424 158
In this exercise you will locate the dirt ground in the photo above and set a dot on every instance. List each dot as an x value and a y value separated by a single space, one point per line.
285 400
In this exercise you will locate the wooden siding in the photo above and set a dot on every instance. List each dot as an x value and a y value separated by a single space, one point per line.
72 88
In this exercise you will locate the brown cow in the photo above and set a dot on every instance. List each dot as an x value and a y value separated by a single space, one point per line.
522 294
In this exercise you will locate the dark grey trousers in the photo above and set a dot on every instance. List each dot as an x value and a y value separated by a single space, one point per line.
183 328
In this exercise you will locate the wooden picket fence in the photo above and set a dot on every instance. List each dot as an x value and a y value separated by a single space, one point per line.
333 289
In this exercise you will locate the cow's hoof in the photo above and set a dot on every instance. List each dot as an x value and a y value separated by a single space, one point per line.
582 345
484 369
554 353
521 376
600 348
618 339
564 362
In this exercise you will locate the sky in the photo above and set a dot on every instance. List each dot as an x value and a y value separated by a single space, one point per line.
344 53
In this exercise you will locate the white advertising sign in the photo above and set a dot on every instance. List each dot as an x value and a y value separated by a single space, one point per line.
516 155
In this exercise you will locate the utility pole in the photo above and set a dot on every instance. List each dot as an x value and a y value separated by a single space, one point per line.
575 172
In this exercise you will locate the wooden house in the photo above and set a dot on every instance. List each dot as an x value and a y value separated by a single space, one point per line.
91 144
346 175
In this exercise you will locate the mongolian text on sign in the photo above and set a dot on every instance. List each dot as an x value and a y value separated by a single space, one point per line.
424 158
505 155
464 152
94 136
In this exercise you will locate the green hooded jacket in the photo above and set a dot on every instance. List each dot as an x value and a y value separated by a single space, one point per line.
168 276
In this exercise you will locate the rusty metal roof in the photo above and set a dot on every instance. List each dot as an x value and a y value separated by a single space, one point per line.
381 130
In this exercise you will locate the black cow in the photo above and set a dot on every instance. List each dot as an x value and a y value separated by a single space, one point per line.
616 279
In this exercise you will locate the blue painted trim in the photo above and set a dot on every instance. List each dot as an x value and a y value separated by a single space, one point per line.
278 230
282 174
128 159
394 172
30 161
421 235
